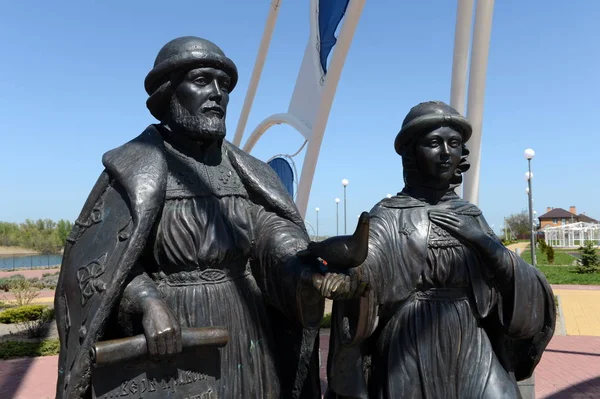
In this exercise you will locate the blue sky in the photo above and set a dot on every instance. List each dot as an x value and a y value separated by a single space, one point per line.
71 88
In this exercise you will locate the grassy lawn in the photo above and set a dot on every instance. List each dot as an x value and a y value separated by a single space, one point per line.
568 275
562 271
12 349
561 257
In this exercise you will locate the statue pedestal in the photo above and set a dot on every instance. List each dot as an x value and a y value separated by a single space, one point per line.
527 388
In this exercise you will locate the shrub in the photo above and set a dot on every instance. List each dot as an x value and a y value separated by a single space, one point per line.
36 282
549 254
542 245
24 292
589 258
49 281
9 282
5 284
33 319
12 349
38 328
22 314
326 322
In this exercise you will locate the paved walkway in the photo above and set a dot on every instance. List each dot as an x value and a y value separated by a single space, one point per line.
28 378
580 309
569 369
521 245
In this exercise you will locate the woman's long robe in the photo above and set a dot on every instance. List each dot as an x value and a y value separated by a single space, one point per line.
435 324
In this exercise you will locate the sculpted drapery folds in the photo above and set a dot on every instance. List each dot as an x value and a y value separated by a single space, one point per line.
451 312
183 229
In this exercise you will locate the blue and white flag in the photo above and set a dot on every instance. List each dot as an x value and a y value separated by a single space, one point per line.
313 94
285 173
331 13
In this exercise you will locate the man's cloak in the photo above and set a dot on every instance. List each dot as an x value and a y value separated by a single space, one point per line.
109 236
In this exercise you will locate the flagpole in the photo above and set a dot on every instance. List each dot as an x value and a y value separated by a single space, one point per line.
477 76
332 77
258 67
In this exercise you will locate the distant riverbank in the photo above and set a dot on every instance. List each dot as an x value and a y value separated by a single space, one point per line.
14 258
19 251
16 251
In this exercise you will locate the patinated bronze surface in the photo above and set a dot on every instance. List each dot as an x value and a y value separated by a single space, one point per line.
121 367
183 230
451 312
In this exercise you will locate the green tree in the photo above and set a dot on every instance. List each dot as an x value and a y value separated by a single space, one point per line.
63 228
43 235
9 233
519 223
589 261
542 244
549 250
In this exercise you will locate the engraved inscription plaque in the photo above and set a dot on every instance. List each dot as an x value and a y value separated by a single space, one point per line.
192 374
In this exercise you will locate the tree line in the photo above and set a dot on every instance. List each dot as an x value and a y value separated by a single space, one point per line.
517 226
42 235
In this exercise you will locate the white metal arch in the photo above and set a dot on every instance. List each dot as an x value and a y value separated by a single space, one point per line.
311 101
275 119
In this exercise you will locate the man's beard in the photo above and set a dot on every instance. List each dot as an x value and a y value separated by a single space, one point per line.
198 127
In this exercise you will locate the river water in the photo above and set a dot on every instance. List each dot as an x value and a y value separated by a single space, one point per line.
25 261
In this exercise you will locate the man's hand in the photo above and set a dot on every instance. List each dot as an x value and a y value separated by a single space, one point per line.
338 286
161 328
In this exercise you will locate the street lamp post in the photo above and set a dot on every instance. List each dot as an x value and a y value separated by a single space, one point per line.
529 154
345 184
317 209
337 216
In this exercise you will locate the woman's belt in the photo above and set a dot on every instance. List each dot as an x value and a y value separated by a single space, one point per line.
228 272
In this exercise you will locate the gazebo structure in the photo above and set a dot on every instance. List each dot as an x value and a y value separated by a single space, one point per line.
572 235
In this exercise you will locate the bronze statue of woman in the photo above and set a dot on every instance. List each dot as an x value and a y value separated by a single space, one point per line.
451 313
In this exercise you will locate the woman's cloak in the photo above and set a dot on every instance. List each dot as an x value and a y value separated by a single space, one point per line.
519 325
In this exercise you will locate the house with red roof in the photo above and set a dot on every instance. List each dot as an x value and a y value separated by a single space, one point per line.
561 217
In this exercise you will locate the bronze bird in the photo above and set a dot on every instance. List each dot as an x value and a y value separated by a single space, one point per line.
342 252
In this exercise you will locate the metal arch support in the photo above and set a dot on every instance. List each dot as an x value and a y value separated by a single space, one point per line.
482 31
313 94
276 119
351 18
258 67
